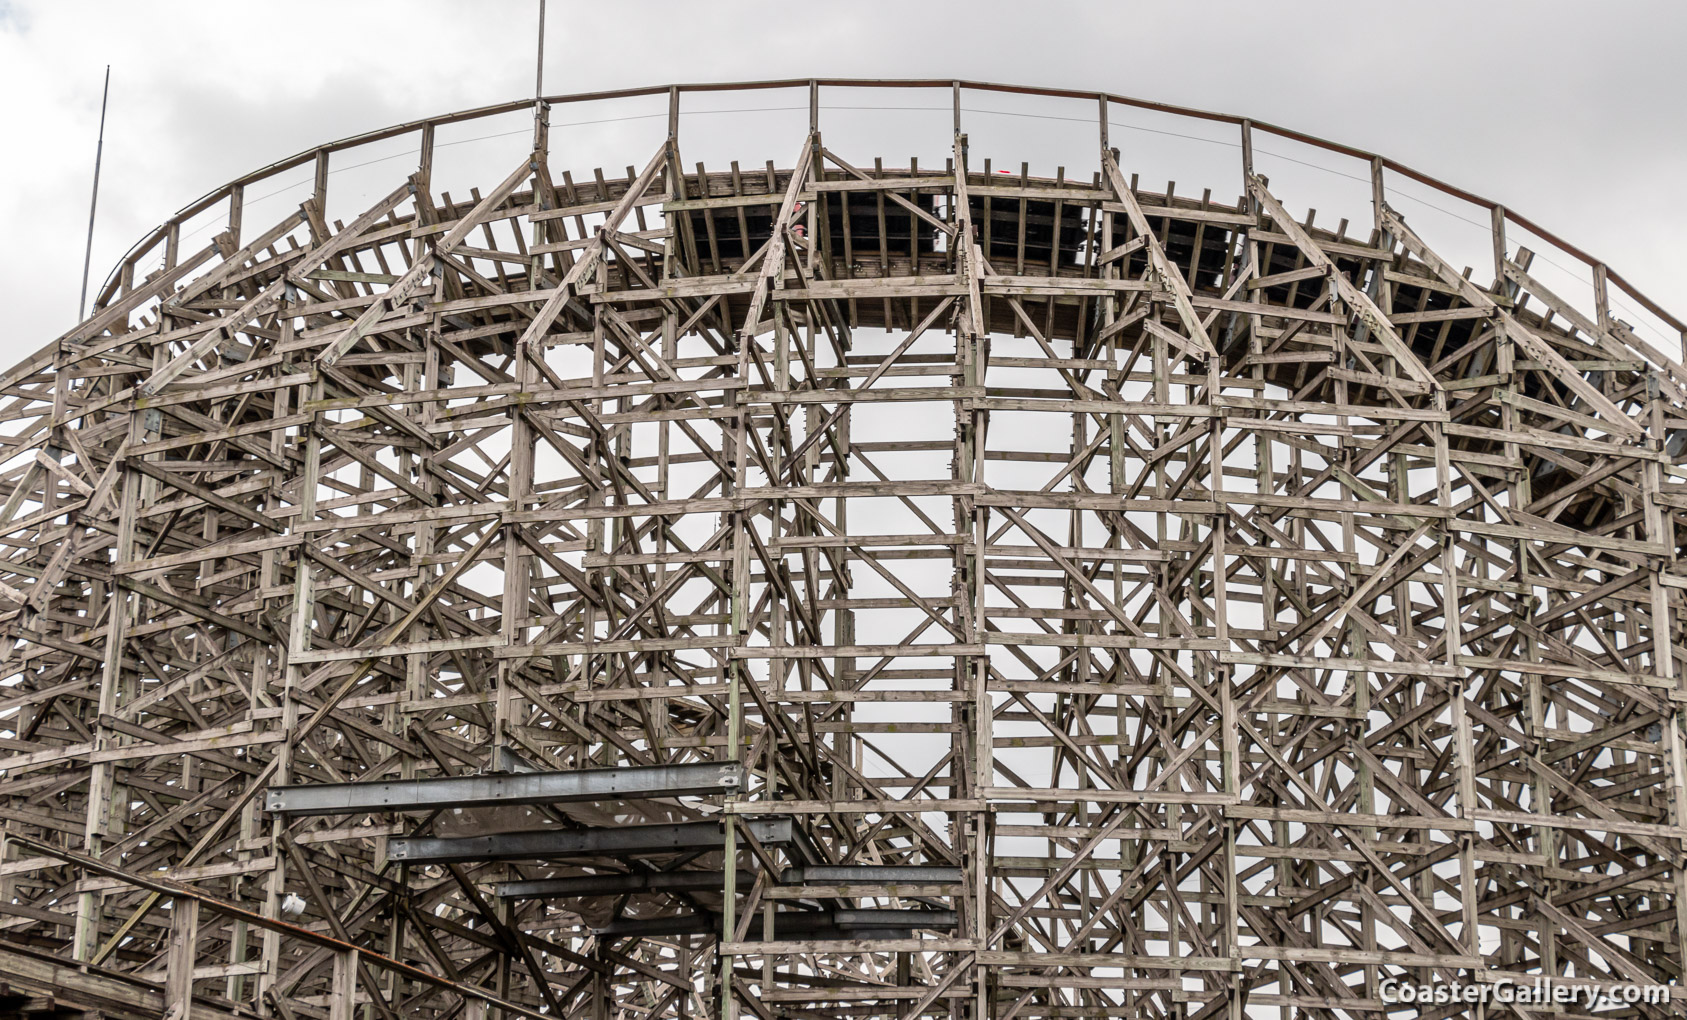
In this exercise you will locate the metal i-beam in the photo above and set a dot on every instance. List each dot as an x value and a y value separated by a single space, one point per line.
622 884
789 924
870 874
579 842
513 788
611 885
882 917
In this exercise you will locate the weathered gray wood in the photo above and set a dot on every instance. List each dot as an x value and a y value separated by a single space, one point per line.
1108 600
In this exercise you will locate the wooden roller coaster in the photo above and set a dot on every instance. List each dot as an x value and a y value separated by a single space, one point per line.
836 590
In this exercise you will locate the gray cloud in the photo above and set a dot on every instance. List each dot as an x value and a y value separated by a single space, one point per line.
1563 112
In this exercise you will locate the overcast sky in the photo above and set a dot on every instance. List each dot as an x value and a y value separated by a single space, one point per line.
1568 112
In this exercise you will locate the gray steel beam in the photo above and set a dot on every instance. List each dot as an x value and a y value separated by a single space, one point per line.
870 874
659 927
645 881
507 788
792 924
545 843
876 917
612 885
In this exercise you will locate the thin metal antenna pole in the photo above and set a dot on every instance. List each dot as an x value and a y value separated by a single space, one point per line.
94 202
539 73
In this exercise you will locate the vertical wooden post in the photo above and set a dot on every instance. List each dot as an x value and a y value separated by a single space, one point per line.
319 190
236 211
342 994
1248 165
1497 232
178 967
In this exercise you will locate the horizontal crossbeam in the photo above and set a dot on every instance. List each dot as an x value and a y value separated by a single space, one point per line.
611 885
843 923
516 788
554 843
869 874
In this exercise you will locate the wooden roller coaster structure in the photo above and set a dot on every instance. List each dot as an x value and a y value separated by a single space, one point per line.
818 591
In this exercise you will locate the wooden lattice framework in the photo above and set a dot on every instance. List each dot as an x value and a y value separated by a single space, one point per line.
1224 612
